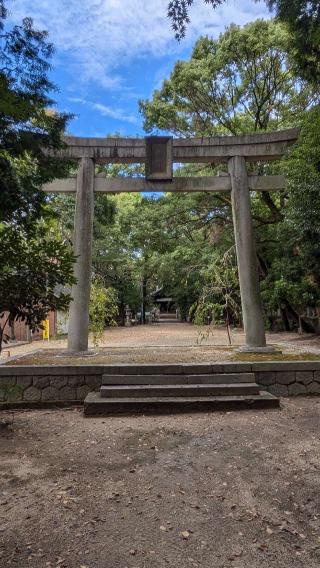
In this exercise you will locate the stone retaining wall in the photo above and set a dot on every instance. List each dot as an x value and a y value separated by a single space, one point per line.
36 386
289 379
47 384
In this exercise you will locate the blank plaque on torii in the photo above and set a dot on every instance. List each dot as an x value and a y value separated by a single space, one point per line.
159 157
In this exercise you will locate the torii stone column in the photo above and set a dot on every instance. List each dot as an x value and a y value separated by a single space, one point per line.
78 332
247 259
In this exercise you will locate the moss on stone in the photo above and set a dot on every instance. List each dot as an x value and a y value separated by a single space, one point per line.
259 357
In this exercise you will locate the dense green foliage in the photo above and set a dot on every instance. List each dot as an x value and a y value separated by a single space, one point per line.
245 81
34 270
301 16
183 243
241 82
117 256
292 281
103 309
27 127
303 20
35 261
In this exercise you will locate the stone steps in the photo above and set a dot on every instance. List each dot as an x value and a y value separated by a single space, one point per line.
177 369
161 391
171 379
128 389
95 405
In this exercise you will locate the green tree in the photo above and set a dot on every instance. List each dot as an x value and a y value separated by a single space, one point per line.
303 20
35 268
114 254
103 309
291 250
36 263
28 129
242 82
301 16
115 257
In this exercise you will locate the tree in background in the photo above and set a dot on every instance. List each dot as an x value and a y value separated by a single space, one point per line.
301 16
114 254
303 20
239 83
118 258
27 127
34 272
36 263
244 82
103 309
291 249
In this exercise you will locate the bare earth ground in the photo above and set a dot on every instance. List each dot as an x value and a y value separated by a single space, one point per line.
239 490
168 343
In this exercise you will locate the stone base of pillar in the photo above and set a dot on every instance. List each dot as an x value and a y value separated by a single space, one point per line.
267 349
68 353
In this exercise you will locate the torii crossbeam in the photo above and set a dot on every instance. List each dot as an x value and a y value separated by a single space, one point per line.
158 154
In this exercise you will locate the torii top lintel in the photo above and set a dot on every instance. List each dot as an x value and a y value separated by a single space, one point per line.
253 147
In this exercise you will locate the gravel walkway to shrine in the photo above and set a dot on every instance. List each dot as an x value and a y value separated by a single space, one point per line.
177 342
238 490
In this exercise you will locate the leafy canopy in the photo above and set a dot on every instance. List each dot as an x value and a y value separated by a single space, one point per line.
27 125
36 262
34 271
301 16
242 82
103 308
178 12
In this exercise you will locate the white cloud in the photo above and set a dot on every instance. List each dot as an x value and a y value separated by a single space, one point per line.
104 110
99 36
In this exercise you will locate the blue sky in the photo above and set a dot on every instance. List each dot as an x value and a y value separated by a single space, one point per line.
111 53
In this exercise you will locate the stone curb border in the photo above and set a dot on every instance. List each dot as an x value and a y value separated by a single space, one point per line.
18 356
36 386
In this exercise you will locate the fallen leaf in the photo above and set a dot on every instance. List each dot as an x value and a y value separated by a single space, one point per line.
269 531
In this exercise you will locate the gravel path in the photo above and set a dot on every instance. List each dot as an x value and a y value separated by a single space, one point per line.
165 343
237 490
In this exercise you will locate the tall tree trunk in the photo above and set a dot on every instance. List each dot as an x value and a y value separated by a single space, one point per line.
2 328
12 330
144 297
122 313
285 319
306 326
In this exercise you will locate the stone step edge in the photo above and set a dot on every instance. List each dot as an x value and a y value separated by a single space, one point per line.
95 405
176 368
234 378
121 391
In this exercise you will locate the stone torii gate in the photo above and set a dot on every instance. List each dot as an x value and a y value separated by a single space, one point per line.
158 154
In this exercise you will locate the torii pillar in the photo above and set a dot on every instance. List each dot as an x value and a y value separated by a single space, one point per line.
252 314
78 332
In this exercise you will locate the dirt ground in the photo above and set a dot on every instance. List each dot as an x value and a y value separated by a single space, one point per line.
168 343
239 490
